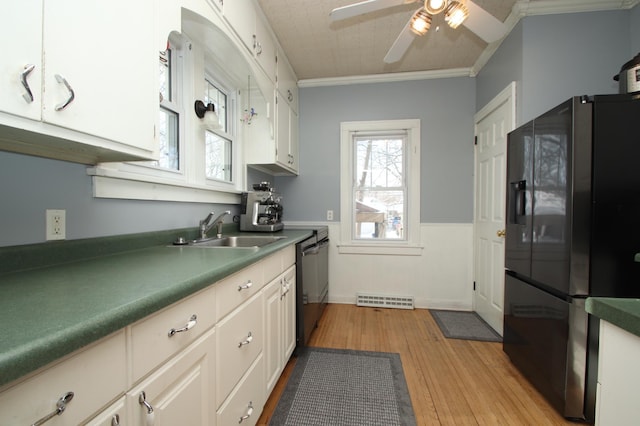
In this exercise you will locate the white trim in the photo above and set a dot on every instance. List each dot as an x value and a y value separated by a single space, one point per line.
385 78
112 187
507 93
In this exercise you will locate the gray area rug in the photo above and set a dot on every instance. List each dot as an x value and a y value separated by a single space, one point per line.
464 325
335 387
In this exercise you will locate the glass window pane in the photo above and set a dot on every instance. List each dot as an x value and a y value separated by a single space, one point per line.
379 162
217 157
165 75
379 188
219 100
379 214
168 138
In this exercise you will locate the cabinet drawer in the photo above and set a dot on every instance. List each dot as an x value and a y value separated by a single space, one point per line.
278 262
96 375
239 342
151 339
246 399
238 288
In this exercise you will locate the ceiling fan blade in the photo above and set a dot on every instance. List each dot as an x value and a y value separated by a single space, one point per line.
400 46
484 24
363 7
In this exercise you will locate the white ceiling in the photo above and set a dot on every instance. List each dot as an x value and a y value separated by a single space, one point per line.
319 49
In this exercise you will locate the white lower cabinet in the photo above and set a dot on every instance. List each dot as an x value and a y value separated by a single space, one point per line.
245 403
239 344
180 392
201 361
618 377
280 325
95 375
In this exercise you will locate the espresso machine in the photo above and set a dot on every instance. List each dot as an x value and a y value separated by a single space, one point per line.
260 209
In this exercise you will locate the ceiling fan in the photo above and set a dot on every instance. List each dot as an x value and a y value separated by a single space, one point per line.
456 12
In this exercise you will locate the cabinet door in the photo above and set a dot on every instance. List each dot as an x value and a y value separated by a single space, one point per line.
265 49
282 131
21 28
180 392
241 15
273 336
288 314
107 54
293 140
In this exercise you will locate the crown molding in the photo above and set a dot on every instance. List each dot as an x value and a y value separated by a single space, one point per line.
550 7
385 78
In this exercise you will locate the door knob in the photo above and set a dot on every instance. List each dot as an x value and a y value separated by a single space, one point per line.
501 233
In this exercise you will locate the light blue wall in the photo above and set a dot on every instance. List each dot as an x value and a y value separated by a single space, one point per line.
554 57
634 25
445 108
30 185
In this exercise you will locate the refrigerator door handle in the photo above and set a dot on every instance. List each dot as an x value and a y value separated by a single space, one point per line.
519 201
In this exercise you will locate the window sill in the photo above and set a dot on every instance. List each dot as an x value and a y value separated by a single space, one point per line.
108 183
381 248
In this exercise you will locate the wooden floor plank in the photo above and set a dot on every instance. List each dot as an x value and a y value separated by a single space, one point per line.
451 382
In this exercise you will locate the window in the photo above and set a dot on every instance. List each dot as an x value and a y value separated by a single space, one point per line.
218 142
196 163
380 194
169 113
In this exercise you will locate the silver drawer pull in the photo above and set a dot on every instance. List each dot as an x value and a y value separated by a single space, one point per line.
188 326
115 420
249 413
61 405
142 399
246 341
23 79
72 95
246 286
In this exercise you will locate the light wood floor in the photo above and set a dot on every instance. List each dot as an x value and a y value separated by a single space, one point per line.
451 382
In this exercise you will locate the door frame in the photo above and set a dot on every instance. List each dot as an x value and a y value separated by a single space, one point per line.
508 94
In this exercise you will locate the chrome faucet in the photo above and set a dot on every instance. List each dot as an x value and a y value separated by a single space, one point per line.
207 224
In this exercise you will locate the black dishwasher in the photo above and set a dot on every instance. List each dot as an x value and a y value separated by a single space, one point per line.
312 282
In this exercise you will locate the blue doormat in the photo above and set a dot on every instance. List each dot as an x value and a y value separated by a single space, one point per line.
336 387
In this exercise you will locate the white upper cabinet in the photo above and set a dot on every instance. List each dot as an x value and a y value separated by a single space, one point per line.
241 15
287 82
21 61
265 48
94 85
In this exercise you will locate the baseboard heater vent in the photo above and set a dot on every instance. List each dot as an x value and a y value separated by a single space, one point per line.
384 301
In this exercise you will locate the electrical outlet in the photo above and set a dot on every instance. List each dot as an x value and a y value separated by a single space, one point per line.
56 225
329 214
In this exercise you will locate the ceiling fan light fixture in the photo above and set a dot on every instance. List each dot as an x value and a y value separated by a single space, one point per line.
420 22
455 14
435 6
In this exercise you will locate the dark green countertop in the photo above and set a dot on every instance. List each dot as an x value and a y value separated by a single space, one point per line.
50 311
624 313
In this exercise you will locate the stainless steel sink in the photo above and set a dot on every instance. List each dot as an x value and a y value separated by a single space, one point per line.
240 241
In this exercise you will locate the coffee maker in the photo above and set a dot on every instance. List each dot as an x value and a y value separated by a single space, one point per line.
260 209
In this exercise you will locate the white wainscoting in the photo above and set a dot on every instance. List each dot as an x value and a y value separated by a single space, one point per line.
440 278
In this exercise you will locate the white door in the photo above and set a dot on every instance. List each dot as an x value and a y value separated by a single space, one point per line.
493 122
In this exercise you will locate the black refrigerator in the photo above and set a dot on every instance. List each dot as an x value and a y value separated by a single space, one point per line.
572 231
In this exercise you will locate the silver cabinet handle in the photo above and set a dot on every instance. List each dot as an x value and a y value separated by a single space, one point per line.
249 413
72 95
246 341
289 95
188 326
115 420
23 79
61 405
246 286
142 399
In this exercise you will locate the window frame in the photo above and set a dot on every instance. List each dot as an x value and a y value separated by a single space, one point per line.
411 245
